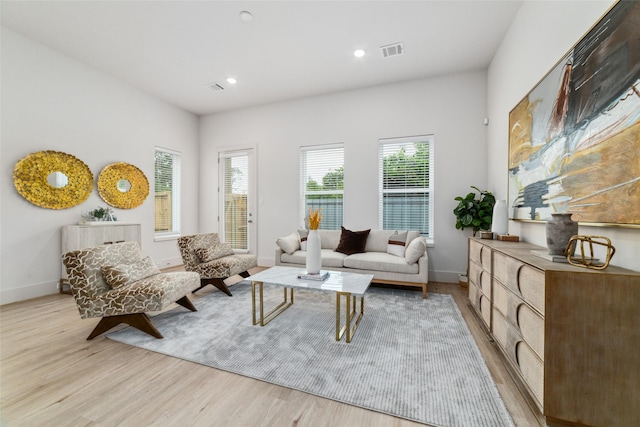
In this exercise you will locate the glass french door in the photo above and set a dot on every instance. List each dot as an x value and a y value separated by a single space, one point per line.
237 224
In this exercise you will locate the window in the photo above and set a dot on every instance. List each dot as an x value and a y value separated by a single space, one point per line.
322 183
406 184
167 193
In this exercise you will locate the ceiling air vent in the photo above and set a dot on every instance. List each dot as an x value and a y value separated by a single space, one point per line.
392 49
215 87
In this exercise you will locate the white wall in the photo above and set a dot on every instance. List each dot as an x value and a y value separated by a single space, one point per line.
450 107
541 34
51 102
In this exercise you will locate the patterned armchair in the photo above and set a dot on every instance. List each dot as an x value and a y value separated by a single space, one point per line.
116 283
213 260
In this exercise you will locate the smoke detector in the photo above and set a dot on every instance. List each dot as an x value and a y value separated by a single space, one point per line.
394 49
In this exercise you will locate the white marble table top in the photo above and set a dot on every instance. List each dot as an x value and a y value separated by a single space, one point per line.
338 281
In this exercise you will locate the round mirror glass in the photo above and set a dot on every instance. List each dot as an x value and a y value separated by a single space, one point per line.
123 185
57 180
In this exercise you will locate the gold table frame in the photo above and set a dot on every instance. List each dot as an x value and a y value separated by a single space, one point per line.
348 329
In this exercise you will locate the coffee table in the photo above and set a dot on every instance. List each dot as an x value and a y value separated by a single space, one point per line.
344 284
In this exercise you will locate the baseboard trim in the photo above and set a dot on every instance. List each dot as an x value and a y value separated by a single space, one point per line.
7 296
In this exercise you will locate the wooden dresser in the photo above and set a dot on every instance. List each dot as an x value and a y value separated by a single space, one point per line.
75 237
569 335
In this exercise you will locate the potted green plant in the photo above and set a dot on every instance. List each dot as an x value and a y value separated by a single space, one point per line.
475 210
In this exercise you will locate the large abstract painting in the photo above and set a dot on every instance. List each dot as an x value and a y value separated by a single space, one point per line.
574 140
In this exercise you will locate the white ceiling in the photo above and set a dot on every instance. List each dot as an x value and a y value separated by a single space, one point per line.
291 49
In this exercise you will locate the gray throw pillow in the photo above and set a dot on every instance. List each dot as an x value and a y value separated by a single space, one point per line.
303 234
397 244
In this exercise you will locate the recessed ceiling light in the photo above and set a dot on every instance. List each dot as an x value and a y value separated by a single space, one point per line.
358 53
231 80
246 16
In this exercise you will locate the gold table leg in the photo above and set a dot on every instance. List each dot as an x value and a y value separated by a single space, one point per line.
350 312
274 312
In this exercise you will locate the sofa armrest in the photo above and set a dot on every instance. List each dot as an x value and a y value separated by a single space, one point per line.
279 253
423 267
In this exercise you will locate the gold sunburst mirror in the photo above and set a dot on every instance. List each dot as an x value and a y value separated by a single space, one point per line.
123 185
52 179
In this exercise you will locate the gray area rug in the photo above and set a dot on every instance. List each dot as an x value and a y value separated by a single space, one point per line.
410 358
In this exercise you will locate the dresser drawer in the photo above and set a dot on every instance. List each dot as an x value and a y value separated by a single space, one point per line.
524 280
480 254
485 310
481 278
522 357
481 304
474 296
527 322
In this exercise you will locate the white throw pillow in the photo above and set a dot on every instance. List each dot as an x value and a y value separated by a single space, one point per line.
289 244
415 250
303 234
397 244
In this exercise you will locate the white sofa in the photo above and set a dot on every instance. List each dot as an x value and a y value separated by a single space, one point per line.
408 270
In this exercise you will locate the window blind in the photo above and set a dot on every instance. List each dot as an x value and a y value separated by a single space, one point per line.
167 191
234 167
406 184
322 184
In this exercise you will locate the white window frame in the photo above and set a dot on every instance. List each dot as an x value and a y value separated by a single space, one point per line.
304 175
176 204
428 234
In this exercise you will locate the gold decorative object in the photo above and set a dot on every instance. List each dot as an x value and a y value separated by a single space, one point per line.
53 180
588 261
123 185
314 219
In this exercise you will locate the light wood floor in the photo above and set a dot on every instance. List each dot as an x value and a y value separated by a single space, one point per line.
50 375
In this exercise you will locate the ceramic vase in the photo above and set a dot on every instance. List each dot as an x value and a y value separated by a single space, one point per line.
314 256
499 220
560 228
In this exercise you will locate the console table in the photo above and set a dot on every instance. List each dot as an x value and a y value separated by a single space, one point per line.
570 336
82 236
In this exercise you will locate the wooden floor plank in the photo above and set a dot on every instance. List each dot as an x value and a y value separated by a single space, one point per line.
51 375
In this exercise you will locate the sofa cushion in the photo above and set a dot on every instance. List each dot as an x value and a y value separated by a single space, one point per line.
397 244
377 240
209 253
329 239
289 244
330 258
380 261
302 235
415 250
352 242
124 274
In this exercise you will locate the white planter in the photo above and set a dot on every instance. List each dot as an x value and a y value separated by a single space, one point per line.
314 255
464 280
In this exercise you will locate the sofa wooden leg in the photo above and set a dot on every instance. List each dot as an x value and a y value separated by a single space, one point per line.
138 320
186 303
245 274
424 291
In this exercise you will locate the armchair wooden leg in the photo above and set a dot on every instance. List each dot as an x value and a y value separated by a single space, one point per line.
218 283
186 303
138 320
245 274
